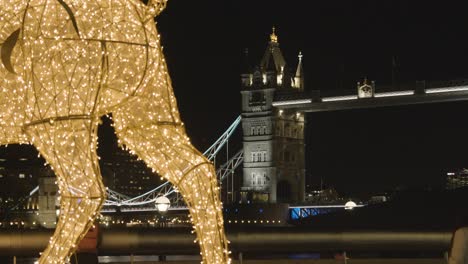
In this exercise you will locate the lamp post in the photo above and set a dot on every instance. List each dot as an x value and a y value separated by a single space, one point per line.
162 205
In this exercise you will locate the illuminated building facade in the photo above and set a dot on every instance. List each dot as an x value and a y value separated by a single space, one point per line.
273 138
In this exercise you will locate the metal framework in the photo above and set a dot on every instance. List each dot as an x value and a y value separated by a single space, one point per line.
231 165
66 63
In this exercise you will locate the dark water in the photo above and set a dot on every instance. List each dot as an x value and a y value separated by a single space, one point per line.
118 259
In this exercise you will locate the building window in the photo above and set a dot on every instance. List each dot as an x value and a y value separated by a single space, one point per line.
259 156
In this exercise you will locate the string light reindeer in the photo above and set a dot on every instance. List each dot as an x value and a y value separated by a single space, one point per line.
66 63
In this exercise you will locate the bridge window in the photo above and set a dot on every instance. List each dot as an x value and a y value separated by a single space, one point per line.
259 156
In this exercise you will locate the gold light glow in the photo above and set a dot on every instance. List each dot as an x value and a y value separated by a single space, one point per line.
64 64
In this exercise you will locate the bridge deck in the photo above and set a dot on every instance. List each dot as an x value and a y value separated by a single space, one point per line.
303 103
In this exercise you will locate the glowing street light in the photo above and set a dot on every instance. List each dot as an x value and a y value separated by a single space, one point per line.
350 205
162 204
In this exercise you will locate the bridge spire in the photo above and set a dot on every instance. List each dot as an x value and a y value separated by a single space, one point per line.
273 57
299 78
273 37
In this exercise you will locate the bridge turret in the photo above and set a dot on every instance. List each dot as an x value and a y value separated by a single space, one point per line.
299 78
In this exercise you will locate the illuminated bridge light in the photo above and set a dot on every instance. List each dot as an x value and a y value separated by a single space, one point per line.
292 102
390 94
447 89
339 98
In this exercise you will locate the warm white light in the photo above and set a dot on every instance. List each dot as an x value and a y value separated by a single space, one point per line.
162 203
292 102
350 205
447 89
391 94
66 63
339 98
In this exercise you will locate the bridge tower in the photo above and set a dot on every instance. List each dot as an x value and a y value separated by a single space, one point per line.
273 138
48 192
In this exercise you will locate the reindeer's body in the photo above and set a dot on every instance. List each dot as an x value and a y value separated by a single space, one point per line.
64 65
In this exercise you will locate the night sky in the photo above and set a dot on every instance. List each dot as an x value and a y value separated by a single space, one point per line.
342 42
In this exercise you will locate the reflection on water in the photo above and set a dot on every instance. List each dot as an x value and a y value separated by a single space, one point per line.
123 259
112 259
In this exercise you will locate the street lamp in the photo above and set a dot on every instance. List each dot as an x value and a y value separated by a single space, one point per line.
350 205
162 204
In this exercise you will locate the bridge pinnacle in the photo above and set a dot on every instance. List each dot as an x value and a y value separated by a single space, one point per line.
273 36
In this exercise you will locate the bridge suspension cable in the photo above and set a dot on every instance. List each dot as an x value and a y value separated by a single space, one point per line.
166 188
231 165
117 199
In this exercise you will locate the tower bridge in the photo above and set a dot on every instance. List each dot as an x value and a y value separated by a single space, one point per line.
275 100
274 103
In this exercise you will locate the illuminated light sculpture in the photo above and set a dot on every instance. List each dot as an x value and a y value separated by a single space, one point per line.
64 64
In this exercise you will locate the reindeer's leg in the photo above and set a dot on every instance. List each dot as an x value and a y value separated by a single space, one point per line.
69 146
165 147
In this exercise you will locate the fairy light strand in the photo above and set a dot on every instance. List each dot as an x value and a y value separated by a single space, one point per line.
64 64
